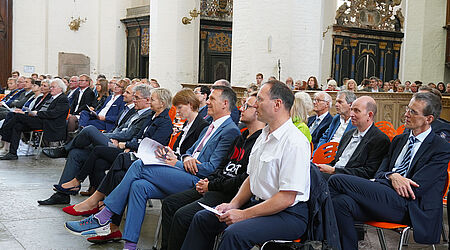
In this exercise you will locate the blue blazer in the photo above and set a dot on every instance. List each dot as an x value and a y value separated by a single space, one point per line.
320 129
235 115
158 129
334 125
113 112
429 170
215 149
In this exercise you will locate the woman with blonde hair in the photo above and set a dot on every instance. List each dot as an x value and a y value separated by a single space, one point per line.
299 112
351 85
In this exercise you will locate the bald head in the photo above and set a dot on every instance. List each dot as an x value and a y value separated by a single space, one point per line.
362 112
222 82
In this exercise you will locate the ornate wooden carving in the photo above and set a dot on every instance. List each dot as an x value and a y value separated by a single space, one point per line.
218 10
371 14
6 12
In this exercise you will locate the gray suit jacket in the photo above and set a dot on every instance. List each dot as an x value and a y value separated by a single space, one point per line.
130 128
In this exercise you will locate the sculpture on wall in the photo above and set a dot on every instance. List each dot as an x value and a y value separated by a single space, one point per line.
371 14
219 10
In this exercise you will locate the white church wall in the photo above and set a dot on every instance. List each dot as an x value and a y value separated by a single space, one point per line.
41 31
424 43
327 22
264 32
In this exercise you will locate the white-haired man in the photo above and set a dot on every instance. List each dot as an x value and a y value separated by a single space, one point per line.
320 122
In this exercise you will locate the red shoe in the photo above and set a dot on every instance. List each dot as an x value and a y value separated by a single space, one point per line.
70 210
115 236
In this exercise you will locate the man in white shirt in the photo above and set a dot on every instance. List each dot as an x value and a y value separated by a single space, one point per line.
320 122
271 203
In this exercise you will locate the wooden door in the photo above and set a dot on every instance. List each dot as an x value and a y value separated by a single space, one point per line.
5 40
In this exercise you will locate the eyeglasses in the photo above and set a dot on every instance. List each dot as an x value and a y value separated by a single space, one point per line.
412 111
247 106
318 100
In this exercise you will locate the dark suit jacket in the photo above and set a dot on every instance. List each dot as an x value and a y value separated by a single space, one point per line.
126 132
203 112
71 97
113 112
127 116
21 99
367 157
192 135
87 98
54 119
40 102
331 130
429 170
158 129
320 129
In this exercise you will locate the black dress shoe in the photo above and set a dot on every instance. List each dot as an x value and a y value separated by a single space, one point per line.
55 199
9 156
59 152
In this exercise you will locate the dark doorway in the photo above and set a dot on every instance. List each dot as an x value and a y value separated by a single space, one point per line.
5 40
215 51
137 46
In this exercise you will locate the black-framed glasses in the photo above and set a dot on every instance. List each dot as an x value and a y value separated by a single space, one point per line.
247 106
412 111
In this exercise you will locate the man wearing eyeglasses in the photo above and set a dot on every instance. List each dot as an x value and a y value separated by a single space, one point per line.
320 122
85 95
105 117
79 148
408 186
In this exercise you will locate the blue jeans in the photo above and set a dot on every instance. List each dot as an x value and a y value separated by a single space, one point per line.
289 224
86 119
143 182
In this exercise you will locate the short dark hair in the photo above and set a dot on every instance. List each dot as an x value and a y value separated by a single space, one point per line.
433 104
279 90
431 90
101 76
227 94
204 90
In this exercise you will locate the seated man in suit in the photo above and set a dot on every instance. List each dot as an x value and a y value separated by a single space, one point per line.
361 149
73 88
341 123
51 118
235 114
79 148
106 116
440 126
82 98
202 93
373 86
408 185
271 203
319 123
142 182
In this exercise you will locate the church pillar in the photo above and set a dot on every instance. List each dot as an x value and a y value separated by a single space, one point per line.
174 46
264 33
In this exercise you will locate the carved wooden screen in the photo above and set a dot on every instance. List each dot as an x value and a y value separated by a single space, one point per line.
138 35
5 40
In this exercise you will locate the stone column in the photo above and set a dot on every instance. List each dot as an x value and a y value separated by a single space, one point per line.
264 32
174 47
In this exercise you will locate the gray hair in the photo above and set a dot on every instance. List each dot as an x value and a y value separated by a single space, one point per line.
302 106
144 89
164 95
326 97
223 82
433 104
227 94
60 83
350 96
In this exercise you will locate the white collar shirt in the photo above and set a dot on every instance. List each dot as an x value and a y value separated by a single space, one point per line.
419 139
280 161
351 147
217 123
80 95
108 105
340 130
183 136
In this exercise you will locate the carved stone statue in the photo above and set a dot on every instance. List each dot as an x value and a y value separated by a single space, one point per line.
340 14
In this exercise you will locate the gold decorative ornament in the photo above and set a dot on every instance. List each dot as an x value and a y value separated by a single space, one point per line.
75 23
193 13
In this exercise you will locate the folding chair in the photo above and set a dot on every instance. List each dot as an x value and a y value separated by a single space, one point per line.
403 230
325 153
384 124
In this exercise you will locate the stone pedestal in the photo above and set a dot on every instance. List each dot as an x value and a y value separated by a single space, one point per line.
174 46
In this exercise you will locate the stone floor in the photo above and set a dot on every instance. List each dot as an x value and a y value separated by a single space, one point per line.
26 225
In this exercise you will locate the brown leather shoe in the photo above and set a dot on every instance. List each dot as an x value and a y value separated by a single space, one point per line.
89 192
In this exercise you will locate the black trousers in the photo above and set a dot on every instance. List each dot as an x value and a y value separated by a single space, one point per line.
100 159
19 123
179 209
114 176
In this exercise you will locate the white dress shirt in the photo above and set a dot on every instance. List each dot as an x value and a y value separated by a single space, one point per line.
79 98
340 130
351 147
108 105
280 161
419 139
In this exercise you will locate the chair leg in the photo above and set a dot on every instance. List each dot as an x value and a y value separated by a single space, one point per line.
404 236
381 238
157 232
444 235
217 241
39 149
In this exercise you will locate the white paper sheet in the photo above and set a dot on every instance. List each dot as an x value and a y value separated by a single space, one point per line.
213 210
146 152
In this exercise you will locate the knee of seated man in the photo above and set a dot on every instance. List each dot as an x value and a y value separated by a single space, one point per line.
139 185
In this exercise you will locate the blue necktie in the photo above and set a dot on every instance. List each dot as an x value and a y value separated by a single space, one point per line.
404 165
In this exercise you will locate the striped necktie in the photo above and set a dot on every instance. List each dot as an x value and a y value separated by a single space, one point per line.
404 165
